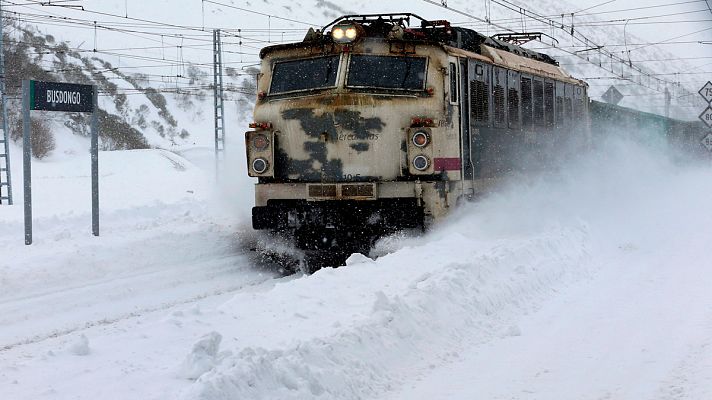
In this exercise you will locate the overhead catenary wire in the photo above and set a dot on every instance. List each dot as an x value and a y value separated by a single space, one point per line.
197 34
583 39
578 14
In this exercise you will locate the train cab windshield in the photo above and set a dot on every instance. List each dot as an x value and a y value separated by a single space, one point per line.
365 71
386 72
305 74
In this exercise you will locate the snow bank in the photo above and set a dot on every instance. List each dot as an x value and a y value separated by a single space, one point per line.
202 358
363 329
356 331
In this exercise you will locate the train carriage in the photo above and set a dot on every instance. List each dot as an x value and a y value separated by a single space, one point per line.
370 126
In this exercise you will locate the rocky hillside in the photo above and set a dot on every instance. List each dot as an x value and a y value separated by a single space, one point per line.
134 112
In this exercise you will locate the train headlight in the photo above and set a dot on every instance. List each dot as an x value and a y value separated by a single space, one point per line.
351 33
344 33
260 165
420 139
421 163
260 142
338 34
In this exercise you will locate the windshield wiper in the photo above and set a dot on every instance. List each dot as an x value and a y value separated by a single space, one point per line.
407 73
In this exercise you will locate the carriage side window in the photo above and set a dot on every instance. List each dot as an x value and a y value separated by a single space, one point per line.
513 101
538 102
499 113
387 72
526 102
305 74
549 103
578 109
479 101
559 111
578 104
499 97
453 83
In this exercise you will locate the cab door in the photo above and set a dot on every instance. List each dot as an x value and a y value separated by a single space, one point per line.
459 103
478 82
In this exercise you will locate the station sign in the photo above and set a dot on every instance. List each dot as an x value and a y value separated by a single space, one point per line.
56 96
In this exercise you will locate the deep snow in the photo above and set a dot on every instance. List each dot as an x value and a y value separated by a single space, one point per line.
584 283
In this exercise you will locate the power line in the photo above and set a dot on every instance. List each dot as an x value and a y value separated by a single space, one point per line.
597 5
260 13
671 39
648 60
525 13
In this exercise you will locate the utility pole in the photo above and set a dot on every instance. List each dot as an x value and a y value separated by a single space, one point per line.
5 176
219 101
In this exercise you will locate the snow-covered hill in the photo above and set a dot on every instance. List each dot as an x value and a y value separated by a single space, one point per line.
154 58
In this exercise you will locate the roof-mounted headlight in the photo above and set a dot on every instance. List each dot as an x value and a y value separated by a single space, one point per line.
351 33
344 33
338 34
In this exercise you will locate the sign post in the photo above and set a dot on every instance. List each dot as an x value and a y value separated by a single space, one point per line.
94 165
26 159
63 97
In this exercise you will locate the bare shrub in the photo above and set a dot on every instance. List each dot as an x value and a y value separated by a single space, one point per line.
42 140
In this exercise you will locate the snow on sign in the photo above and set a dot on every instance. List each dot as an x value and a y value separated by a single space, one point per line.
707 141
612 95
706 116
706 92
56 96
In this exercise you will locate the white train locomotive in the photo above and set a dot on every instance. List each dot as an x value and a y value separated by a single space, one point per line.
370 126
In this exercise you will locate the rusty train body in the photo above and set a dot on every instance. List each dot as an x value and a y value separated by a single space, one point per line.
370 126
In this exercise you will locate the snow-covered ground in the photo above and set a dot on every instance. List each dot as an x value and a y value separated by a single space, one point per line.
588 283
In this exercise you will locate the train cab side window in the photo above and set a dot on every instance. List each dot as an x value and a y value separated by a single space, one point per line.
526 102
453 83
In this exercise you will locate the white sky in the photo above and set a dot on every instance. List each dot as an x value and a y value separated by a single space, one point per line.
689 17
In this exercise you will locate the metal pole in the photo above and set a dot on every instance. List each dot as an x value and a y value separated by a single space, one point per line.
219 100
3 99
215 97
95 164
27 159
